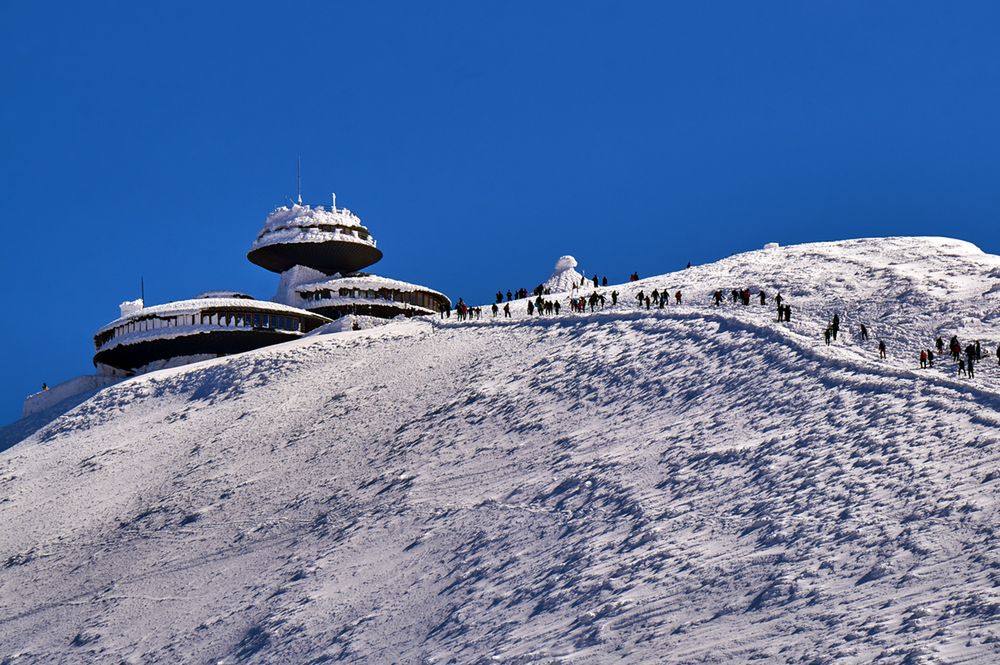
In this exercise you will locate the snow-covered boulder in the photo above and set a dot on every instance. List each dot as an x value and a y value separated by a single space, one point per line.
564 277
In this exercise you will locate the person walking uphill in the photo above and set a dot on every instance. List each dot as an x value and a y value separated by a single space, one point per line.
836 325
864 333
881 349
923 360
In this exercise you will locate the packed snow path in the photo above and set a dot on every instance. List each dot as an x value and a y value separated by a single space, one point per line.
682 485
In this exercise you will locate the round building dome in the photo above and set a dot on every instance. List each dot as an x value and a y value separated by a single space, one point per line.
329 240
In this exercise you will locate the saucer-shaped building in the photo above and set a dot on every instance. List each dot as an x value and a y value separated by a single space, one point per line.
319 252
329 241
209 326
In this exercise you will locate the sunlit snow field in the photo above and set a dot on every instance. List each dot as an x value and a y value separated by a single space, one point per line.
686 484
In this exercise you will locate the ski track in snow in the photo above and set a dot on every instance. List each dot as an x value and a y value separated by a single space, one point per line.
690 484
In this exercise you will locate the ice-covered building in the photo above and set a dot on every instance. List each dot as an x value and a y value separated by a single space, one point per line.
185 331
319 252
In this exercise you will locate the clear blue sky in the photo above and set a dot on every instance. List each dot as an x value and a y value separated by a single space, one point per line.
478 140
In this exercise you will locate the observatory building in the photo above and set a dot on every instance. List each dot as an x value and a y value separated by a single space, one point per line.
317 251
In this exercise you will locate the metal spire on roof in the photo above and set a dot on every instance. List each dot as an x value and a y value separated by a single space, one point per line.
298 179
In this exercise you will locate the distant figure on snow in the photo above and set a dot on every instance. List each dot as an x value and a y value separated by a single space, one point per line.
881 349
826 336
939 343
763 298
614 297
677 297
930 358
496 310
864 333
961 368
604 281
923 360
506 310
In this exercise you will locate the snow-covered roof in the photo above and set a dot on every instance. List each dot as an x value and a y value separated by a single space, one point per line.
305 223
364 282
196 305
224 294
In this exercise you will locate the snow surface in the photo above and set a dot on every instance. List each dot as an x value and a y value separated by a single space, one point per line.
564 277
301 223
687 484
197 305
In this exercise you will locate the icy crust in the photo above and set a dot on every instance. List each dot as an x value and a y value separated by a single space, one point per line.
308 224
365 282
198 305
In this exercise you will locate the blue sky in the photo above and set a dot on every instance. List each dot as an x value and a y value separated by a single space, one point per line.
478 140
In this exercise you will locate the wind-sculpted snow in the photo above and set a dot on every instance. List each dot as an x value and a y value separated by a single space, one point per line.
686 484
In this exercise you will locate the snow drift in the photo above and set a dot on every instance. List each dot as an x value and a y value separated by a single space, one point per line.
686 484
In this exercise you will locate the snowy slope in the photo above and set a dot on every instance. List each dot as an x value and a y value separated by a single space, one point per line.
688 484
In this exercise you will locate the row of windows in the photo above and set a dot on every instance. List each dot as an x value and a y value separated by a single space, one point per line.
223 319
410 297
346 230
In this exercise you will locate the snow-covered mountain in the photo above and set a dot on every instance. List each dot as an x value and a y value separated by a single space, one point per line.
686 484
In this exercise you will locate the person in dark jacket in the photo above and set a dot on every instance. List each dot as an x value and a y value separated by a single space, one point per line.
506 310
881 349
826 336
763 298
604 281
939 343
930 358
496 310
864 333
961 367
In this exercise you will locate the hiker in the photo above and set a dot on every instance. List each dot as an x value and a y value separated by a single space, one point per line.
998 355
604 281
614 298
864 333
718 297
970 368
509 294
641 298
531 308
763 298
656 296
826 335
881 349
979 351
788 313
930 358
923 360
499 297
506 310
496 310
595 280
961 367
836 325
555 306
677 297
647 302
778 299
939 343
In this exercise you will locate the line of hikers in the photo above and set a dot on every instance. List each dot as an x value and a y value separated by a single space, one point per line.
966 365
658 298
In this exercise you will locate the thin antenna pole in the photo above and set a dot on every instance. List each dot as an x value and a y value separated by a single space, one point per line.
142 290
298 179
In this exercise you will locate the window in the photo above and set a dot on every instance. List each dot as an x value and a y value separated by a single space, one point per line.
256 320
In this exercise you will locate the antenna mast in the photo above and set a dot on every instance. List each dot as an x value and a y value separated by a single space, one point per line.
298 179
142 289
